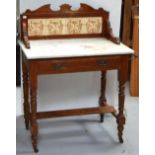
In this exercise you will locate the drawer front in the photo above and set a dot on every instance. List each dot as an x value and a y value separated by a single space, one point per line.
78 64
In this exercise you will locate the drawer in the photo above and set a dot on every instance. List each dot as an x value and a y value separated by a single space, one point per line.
78 64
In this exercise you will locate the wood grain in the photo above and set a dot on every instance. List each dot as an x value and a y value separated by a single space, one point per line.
134 77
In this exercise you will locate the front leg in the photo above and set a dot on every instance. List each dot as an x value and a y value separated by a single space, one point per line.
33 96
120 116
25 94
102 100
122 77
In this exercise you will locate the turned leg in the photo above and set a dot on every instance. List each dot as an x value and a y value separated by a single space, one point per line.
25 94
120 116
34 125
102 100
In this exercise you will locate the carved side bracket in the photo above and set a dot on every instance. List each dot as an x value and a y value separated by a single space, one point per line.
110 34
25 36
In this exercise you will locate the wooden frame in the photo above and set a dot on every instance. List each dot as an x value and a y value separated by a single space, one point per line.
32 68
126 21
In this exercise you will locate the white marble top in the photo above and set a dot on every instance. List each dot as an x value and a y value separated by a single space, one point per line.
57 48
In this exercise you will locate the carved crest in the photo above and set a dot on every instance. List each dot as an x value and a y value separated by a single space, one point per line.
46 9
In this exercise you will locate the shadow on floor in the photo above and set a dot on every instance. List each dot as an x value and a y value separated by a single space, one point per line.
72 136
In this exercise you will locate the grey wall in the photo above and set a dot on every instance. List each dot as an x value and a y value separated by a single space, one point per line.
74 90
113 6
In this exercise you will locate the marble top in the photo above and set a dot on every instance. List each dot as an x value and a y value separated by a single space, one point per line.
60 48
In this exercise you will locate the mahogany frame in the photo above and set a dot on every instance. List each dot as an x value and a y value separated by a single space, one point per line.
32 68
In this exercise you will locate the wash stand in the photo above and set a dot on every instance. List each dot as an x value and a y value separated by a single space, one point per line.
67 41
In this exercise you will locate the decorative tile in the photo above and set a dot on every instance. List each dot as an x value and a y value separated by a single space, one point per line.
64 26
